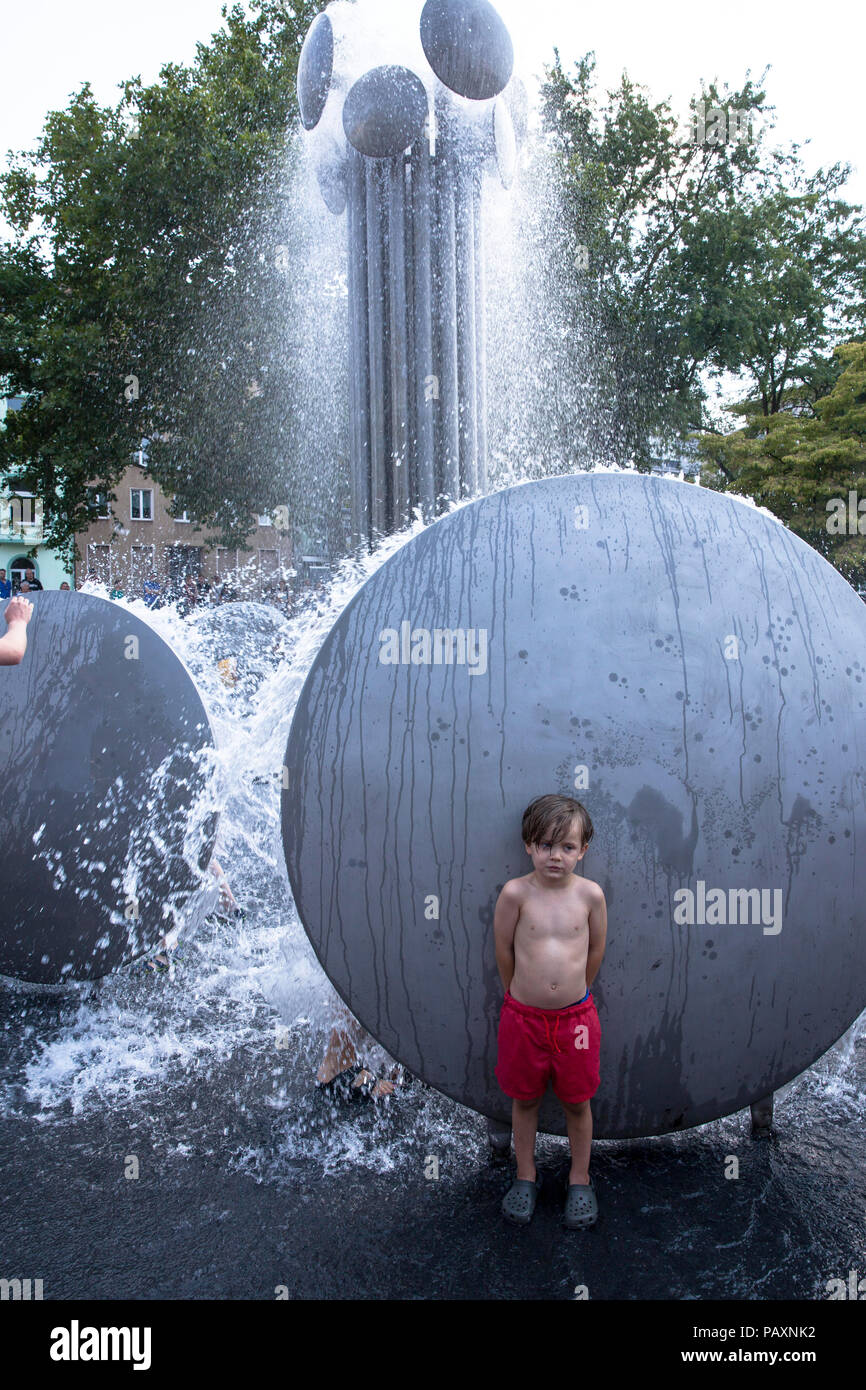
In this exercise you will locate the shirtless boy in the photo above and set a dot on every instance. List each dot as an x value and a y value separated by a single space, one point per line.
550 928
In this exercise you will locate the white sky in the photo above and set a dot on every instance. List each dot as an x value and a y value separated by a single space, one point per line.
816 56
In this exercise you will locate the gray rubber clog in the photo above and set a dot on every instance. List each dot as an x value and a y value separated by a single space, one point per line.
581 1207
518 1204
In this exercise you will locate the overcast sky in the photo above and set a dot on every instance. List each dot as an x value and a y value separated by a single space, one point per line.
816 56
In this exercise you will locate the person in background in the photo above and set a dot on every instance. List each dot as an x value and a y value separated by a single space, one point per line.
5 586
33 582
228 906
24 587
189 596
18 613
152 591
285 599
65 586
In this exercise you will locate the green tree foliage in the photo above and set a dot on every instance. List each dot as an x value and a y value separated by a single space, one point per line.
138 300
807 464
707 253
798 279
141 298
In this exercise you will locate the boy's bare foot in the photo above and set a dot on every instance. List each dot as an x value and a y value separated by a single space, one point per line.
341 1060
328 1071
377 1091
18 610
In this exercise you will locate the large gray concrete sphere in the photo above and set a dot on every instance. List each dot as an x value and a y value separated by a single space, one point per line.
101 731
468 46
315 69
693 673
384 111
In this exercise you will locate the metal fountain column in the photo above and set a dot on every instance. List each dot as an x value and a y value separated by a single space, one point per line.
409 174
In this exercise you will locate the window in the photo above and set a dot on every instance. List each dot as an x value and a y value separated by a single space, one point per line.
99 564
19 567
141 504
184 560
143 566
21 516
268 567
184 516
97 502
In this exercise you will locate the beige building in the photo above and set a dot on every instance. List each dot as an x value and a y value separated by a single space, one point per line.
136 538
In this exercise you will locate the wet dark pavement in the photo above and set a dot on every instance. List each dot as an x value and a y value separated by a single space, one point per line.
219 1211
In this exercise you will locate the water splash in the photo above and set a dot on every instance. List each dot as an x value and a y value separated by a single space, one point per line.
236 982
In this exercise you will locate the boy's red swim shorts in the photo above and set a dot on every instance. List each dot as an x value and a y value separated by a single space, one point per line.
538 1045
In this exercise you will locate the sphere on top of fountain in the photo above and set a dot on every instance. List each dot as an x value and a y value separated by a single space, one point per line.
315 69
385 111
468 46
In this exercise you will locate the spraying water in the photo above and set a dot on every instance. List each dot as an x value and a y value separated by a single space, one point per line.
236 983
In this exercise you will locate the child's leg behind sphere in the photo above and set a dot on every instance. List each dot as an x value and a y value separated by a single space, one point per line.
341 1054
578 1124
349 1025
524 1124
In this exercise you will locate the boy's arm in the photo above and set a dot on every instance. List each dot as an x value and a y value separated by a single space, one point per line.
597 934
505 918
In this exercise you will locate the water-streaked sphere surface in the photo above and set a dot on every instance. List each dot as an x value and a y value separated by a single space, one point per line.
694 674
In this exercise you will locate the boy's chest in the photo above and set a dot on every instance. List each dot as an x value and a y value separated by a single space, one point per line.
566 922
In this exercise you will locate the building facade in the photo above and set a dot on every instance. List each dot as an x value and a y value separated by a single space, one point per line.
136 540
20 533
21 530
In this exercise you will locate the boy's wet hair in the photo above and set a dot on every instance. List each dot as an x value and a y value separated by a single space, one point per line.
550 817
